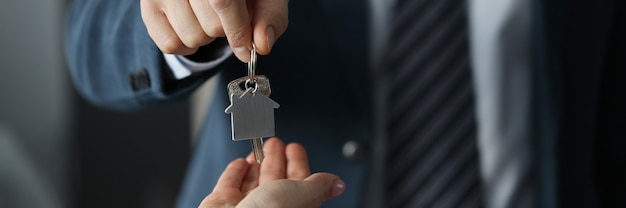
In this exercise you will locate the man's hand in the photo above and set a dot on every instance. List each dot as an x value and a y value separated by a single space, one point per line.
283 180
182 26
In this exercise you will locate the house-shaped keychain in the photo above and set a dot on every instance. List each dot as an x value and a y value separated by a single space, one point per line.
251 115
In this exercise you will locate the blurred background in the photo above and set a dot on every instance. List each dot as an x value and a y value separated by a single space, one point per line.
56 150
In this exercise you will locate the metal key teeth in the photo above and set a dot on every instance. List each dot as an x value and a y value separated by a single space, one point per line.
257 148
262 83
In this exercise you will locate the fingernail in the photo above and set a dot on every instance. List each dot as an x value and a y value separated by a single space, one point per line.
271 37
338 187
242 53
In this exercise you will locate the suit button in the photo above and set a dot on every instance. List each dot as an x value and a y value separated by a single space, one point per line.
352 150
139 80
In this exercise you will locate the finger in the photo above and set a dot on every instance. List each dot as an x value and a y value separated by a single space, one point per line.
250 158
184 22
273 166
233 175
322 187
236 21
209 21
251 180
297 162
161 31
311 192
270 22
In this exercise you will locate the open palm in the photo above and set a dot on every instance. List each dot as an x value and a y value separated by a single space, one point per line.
282 180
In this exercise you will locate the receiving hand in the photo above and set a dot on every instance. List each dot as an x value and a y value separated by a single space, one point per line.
182 26
282 180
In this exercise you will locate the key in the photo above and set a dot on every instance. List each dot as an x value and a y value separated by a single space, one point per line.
251 110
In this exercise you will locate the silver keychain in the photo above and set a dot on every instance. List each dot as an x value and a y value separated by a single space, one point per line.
251 110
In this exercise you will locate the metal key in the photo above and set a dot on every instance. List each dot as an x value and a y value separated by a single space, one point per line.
251 110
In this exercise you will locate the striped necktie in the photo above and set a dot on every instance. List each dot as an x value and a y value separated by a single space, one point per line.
432 152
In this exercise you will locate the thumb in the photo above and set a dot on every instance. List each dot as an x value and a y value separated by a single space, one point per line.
269 22
325 185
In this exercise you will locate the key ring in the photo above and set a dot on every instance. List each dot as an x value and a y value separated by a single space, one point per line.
249 82
252 64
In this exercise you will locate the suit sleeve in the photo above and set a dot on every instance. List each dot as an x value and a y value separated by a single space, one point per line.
113 61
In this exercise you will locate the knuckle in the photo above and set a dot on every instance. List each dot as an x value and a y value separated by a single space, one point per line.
170 45
214 30
238 34
220 4
196 40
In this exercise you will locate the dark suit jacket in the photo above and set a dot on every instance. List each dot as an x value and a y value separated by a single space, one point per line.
319 75
317 70
579 99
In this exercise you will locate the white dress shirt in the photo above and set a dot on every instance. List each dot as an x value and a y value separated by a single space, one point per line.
183 67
